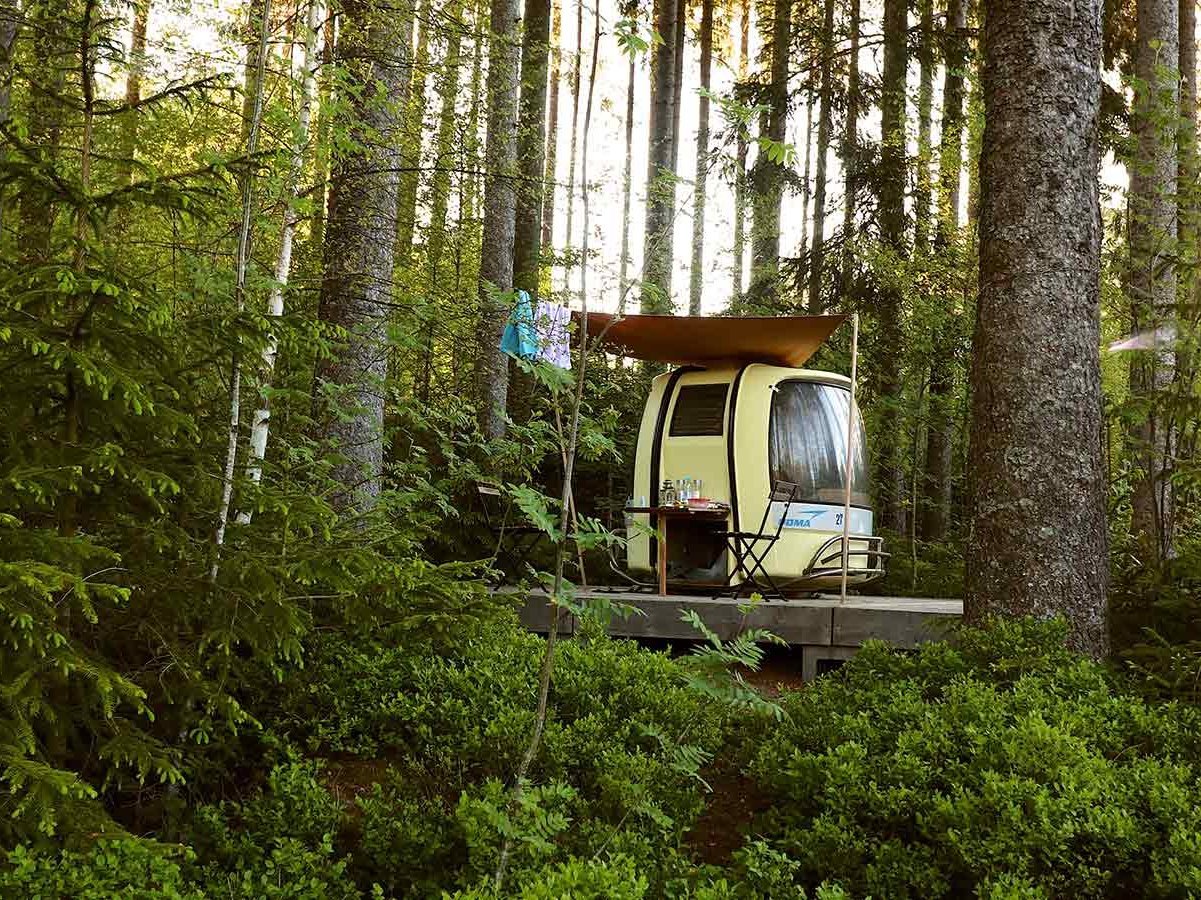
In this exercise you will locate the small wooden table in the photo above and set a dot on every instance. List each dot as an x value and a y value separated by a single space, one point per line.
665 514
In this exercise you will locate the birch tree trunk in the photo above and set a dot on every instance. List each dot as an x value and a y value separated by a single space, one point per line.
660 175
256 68
696 273
744 24
261 422
1152 278
768 176
818 253
360 241
935 504
892 180
531 146
500 202
1037 544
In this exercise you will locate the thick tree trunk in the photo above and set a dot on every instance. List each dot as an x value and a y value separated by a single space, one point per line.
744 24
935 505
678 85
892 179
768 176
1038 532
850 153
660 175
50 60
1152 278
414 129
696 274
500 202
531 146
552 131
374 52
924 194
818 254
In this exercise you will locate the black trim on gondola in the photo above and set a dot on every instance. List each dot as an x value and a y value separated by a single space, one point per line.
657 450
734 526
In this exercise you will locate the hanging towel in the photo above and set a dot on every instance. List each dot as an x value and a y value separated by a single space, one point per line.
554 335
520 337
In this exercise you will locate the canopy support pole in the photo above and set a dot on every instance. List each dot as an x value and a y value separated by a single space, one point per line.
846 511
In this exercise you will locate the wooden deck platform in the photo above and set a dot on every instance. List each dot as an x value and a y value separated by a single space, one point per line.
825 630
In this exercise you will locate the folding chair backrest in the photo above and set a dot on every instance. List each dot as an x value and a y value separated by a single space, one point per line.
782 492
490 503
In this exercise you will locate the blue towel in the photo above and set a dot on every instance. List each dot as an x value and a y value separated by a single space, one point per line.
520 337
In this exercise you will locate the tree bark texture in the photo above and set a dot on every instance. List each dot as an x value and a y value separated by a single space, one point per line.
1037 544
10 17
767 177
414 131
500 203
374 51
660 174
627 184
531 145
573 148
824 120
696 273
444 152
133 88
923 196
1152 277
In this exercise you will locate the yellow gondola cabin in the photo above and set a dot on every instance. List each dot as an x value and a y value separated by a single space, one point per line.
742 417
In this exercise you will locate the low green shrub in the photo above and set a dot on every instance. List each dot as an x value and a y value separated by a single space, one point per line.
1003 766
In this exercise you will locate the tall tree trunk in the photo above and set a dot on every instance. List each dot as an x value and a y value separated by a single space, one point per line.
360 241
678 85
440 182
768 176
10 17
660 176
261 422
696 274
500 204
935 504
324 125
552 129
1152 279
444 147
573 150
1038 538
744 24
50 60
817 261
133 88
531 146
627 179
414 129
850 153
806 196
892 179
469 187
924 194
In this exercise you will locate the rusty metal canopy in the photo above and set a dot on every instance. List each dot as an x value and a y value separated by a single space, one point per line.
712 340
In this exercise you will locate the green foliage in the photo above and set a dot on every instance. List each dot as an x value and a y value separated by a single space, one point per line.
1003 766
138 870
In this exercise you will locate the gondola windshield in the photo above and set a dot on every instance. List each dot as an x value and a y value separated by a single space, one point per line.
808 443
